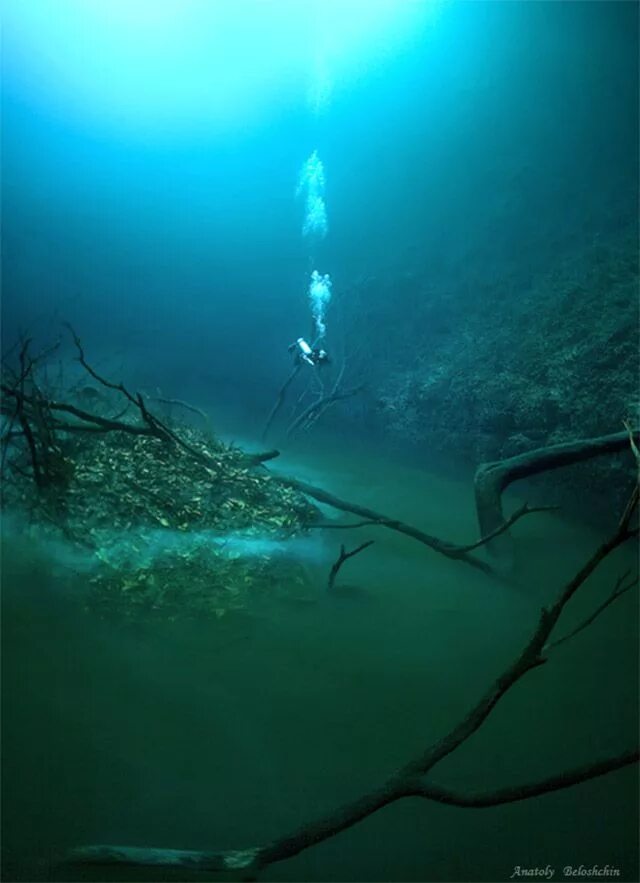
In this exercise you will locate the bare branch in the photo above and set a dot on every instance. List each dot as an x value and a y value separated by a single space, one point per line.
525 509
632 442
334 525
618 590
315 410
630 508
280 399
187 407
158 428
119 387
342 557
450 550
566 779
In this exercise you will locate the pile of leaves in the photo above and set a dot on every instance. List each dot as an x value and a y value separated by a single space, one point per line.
127 481
171 531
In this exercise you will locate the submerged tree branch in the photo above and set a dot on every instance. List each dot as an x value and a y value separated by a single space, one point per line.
492 479
620 588
409 781
566 779
315 410
187 407
342 557
450 550
280 399
525 509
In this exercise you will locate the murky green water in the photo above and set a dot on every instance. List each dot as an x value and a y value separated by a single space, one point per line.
223 734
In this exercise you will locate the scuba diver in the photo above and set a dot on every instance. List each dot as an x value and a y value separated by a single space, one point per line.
312 355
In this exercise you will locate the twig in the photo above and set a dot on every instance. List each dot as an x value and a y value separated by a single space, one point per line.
618 590
26 366
309 416
525 509
342 557
119 387
280 399
632 442
158 428
187 407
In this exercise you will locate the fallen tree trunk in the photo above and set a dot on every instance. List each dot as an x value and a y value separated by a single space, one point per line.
492 479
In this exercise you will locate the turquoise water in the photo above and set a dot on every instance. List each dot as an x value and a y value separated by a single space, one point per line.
224 734
464 245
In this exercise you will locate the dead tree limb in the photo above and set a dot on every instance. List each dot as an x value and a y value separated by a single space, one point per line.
566 779
412 779
38 475
525 509
280 399
491 479
450 550
619 589
317 407
632 442
342 557
313 412
97 422
261 457
337 525
324 400
34 424
156 426
118 387
202 414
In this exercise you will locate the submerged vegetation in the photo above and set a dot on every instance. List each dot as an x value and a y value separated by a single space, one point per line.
174 521
532 359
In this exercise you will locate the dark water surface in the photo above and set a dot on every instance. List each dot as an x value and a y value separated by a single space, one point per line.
218 734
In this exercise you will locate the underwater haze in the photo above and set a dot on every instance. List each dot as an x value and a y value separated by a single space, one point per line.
279 279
